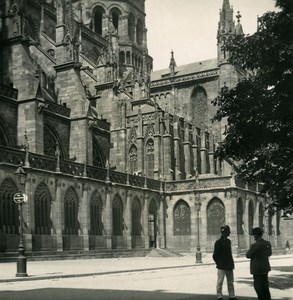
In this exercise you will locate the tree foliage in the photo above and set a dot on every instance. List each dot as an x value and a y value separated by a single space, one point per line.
259 109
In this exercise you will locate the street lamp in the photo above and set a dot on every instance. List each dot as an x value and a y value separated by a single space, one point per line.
19 198
197 204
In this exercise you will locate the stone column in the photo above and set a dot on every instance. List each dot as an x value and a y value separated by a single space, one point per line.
146 221
203 153
187 149
176 139
161 218
27 211
84 216
128 220
57 216
107 217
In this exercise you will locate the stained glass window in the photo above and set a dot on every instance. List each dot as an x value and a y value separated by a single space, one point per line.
96 207
215 216
117 216
71 223
42 210
181 213
9 216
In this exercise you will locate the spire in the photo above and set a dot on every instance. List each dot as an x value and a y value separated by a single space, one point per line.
226 24
172 64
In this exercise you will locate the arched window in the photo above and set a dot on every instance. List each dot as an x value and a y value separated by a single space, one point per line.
117 216
42 200
9 216
98 156
198 107
181 215
240 217
132 159
98 20
96 207
261 216
71 224
150 158
139 32
128 58
215 216
131 27
136 218
115 14
250 216
51 140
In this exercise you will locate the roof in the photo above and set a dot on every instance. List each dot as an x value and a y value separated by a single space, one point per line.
196 67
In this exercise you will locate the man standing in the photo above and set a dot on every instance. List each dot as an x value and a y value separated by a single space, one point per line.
224 261
259 253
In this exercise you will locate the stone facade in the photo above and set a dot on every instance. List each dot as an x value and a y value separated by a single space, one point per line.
116 156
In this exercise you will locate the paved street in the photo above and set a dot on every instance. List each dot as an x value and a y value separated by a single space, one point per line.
138 279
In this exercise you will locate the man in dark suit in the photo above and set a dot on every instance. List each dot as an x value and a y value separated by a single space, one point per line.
259 253
225 264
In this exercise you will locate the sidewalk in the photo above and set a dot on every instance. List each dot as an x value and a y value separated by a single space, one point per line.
40 270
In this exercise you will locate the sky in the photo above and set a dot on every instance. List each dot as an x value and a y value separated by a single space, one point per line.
189 27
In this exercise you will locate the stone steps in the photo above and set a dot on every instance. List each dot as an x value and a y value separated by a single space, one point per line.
75 254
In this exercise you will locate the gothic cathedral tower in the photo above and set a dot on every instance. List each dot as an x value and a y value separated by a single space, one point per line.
226 31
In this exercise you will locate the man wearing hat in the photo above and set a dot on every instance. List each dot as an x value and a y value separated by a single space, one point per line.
224 261
259 253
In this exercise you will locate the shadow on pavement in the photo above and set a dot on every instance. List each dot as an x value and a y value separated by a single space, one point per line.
90 294
282 281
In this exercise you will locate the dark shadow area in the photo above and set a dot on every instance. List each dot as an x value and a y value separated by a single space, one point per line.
281 281
90 294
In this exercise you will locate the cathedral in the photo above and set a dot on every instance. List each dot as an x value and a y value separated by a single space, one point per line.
115 156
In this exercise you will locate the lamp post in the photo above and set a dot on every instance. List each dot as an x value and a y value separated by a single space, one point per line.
197 204
19 198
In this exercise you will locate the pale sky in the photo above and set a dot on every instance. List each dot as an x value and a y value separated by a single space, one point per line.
189 27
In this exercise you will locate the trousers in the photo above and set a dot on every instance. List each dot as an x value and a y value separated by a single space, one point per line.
261 286
230 282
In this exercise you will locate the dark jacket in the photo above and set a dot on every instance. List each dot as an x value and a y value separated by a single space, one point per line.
223 254
259 253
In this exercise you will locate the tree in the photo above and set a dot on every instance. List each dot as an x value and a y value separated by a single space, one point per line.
259 109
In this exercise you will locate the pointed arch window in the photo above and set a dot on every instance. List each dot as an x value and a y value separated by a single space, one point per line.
150 158
51 140
136 218
117 210
9 216
198 106
181 215
132 159
71 224
215 216
42 200
98 156
96 208
240 221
